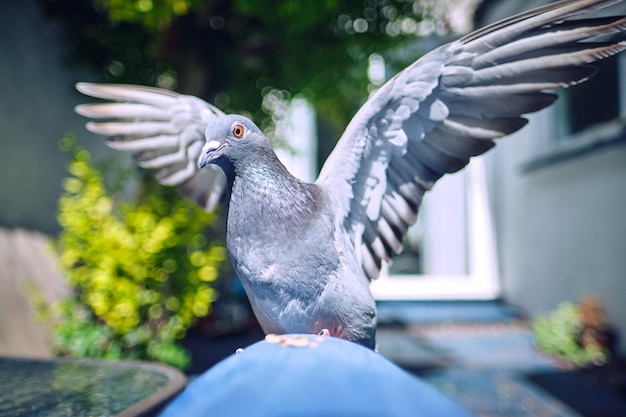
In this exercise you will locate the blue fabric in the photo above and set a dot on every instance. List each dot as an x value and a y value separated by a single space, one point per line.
328 377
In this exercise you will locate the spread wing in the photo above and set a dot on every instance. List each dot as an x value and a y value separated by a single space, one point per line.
448 106
165 130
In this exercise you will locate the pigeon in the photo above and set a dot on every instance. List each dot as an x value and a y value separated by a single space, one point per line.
306 252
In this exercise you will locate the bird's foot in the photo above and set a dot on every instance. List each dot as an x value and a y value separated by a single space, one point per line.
324 332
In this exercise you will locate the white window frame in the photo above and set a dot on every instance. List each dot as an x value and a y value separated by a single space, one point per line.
481 282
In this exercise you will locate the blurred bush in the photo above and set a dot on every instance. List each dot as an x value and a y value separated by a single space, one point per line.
559 333
142 272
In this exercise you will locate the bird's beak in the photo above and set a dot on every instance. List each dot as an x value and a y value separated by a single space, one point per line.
209 153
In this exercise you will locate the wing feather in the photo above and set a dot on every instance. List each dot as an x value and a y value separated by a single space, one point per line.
437 160
163 129
449 106
487 107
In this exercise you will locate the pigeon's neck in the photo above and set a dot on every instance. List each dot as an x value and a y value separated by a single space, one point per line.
266 181
267 199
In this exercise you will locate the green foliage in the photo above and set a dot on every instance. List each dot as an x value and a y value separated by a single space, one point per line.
557 333
234 52
141 272
151 14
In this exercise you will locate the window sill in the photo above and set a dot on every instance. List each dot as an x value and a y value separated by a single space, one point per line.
588 141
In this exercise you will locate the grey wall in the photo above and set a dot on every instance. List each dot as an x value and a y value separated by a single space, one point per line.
561 228
37 98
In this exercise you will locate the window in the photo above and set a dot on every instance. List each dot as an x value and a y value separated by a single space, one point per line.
450 252
585 117
574 109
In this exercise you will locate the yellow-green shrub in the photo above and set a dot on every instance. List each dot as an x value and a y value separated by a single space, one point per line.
141 271
557 333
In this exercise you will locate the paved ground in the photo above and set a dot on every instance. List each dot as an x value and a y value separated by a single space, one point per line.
482 355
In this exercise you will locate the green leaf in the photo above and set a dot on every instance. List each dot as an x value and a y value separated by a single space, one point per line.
138 283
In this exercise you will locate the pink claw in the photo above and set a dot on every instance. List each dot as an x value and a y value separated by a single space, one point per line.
324 332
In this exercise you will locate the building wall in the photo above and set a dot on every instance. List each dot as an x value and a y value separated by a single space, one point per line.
562 227
37 98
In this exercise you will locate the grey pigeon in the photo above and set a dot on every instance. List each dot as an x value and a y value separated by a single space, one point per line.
305 253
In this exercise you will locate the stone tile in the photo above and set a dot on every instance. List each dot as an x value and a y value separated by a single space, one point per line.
492 368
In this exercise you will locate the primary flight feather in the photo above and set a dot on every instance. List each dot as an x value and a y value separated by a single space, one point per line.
305 252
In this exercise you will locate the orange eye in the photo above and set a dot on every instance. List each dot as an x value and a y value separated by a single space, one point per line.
238 131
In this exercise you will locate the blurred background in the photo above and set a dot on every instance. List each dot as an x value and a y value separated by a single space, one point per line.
537 222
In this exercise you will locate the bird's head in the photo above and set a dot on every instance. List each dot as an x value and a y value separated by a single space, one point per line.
229 139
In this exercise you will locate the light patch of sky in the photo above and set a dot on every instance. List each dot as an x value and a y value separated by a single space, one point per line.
442 17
